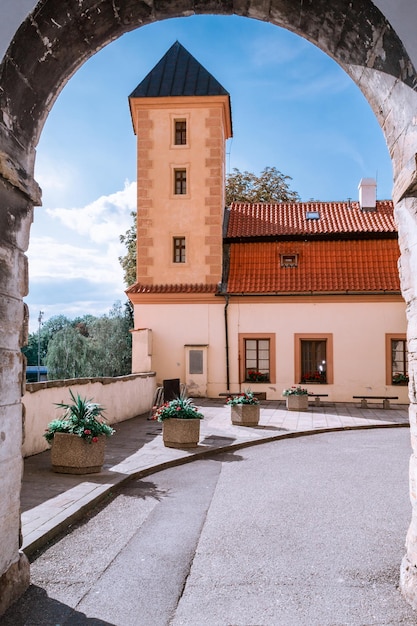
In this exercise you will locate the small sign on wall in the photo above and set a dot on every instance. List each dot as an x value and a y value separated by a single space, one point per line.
196 362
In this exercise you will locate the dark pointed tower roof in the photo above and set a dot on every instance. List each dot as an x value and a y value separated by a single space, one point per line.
178 73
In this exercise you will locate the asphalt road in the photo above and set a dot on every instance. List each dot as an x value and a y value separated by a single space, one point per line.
306 531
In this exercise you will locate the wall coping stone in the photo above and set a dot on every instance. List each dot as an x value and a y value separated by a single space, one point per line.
68 382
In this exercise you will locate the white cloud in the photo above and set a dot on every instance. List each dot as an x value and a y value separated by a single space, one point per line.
49 257
73 259
104 219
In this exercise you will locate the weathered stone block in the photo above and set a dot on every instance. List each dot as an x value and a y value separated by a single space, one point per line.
14 582
10 432
10 486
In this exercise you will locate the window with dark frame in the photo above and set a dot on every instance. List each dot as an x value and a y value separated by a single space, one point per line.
399 362
180 134
180 182
289 260
257 360
179 250
314 361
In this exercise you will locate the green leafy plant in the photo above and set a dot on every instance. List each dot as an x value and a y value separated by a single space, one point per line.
399 379
179 408
247 397
81 417
295 390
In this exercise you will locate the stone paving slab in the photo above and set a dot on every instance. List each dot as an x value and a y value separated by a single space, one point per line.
51 502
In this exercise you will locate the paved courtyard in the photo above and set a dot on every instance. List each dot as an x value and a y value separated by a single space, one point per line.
50 502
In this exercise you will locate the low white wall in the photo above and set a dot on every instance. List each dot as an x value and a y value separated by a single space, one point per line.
123 397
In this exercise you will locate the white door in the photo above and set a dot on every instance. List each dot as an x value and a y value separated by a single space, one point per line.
196 370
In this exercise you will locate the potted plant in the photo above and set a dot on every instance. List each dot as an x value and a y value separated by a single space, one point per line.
317 377
296 398
257 377
78 438
180 423
399 379
244 409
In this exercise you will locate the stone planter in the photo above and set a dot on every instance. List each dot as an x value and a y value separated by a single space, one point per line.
181 433
245 414
297 403
71 454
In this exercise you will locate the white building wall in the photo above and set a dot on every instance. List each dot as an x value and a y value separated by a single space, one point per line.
123 397
358 329
175 326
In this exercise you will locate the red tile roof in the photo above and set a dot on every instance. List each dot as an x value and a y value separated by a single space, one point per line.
323 267
260 220
181 288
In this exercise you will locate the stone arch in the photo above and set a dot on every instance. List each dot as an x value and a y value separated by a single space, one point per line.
47 50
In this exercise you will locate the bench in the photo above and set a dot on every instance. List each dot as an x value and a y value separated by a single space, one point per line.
385 400
260 395
317 397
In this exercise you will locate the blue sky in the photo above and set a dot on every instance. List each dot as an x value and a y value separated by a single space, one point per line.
292 107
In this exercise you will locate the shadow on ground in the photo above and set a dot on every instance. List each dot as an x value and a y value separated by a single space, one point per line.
36 608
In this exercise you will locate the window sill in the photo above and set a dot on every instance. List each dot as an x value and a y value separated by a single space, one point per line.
312 382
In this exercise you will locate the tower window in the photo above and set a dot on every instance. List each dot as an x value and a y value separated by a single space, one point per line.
180 134
180 182
179 250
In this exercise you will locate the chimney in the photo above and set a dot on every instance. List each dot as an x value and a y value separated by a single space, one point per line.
367 194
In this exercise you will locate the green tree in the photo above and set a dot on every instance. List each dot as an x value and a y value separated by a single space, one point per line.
128 261
92 346
54 324
110 343
40 340
31 350
270 186
68 355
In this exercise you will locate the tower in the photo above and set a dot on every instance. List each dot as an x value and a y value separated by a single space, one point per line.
182 118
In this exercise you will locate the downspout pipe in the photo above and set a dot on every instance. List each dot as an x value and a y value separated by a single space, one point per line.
226 333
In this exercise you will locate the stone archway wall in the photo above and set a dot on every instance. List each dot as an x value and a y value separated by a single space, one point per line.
48 48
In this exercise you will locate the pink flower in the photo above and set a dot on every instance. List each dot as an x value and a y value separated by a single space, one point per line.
95 439
87 432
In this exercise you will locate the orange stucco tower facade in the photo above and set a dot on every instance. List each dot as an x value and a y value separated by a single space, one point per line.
181 116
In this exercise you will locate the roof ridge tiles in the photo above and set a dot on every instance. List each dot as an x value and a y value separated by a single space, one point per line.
173 288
